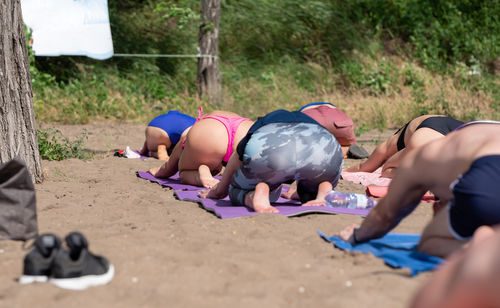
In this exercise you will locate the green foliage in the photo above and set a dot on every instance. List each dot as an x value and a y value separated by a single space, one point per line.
441 32
358 131
39 79
54 146
379 79
184 15
276 54
382 79
318 31
380 116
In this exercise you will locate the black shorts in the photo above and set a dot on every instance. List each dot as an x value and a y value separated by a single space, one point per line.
476 196
443 125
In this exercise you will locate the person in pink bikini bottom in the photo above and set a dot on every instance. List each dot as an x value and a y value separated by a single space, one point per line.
208 146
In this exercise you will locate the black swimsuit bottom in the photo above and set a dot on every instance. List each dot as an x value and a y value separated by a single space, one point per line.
442 125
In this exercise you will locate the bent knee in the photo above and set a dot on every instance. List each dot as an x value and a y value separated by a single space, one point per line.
439 246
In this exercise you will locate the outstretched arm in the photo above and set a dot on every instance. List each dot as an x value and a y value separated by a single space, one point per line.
220 190
381 153
405 192
392 163
419 138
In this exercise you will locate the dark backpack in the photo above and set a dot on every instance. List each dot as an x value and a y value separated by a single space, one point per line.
18 219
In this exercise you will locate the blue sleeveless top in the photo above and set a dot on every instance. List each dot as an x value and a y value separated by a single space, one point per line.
173 123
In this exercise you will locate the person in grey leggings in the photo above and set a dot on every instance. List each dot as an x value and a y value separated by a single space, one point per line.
281 147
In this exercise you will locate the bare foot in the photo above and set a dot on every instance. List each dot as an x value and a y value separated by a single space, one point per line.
206 178
259 199
213 193
162 152
209 182
163 157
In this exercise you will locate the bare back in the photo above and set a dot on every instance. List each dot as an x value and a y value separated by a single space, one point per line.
442 161
412 127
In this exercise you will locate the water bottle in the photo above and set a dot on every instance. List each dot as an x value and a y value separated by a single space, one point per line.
348 200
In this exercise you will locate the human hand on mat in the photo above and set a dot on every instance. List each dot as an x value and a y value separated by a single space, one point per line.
214 193
347 233
323 189
315 202
154 171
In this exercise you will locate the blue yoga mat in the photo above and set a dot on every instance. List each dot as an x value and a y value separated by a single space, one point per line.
397 250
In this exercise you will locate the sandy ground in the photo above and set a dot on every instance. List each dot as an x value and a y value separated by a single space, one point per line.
172 253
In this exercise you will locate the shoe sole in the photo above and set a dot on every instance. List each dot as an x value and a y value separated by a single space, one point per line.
81 283
27 279
357 152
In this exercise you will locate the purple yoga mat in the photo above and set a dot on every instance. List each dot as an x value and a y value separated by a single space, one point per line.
173 182
224 209
143 156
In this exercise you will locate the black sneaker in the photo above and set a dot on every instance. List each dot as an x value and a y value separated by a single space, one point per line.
358 152
78 268
38 262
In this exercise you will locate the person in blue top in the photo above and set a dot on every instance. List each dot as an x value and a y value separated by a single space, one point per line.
164 132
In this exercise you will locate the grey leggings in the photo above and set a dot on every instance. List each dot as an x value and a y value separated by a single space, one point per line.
281 152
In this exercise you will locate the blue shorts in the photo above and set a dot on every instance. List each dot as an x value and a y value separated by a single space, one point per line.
476 198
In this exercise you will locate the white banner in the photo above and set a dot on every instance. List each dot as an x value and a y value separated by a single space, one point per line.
69 27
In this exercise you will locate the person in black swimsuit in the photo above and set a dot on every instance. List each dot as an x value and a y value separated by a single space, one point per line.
414 134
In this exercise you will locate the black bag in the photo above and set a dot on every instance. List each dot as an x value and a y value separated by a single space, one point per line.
17 202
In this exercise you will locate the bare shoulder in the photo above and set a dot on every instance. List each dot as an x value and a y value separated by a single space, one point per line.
435 163
479 140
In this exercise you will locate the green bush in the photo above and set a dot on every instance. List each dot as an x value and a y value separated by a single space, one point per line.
274 54
54 146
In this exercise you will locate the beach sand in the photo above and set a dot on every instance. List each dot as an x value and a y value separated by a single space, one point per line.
170 253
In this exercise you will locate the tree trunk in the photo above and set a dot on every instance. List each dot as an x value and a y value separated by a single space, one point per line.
18 135
209 80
